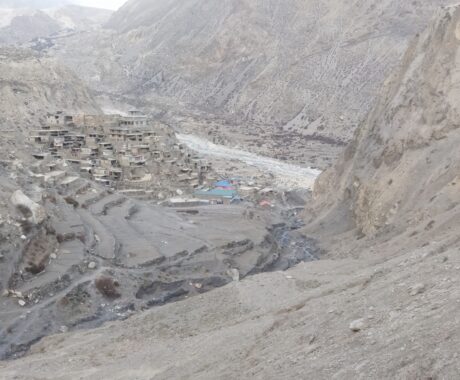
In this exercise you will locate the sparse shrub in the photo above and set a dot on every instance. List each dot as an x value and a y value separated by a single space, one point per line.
61 238
35 268
107 286
24 211
81 237
50 198
27 226
50 230
71 201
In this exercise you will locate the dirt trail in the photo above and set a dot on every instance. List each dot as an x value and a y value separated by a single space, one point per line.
286 176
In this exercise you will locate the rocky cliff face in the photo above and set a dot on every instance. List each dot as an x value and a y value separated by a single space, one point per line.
313 65
402 168
31 86
31 25
263 75
32 3
27 25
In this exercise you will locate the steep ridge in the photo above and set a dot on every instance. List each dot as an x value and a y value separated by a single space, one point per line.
79 18
402 168
389 311
32 3
31 86
33 26
25 25
262 75
313 65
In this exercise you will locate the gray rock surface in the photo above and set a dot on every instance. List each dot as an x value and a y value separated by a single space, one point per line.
402 168
31 86
312 66
35 213
33 24
357 325
32 3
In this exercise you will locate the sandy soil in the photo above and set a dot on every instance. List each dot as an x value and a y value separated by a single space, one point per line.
294 324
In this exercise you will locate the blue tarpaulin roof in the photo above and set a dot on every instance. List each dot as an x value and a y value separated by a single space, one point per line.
223 183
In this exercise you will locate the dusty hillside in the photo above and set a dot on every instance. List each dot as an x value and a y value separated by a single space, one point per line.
260 75
402 169
32 3
387 313
31 86
313 64
284 325
33 26
79 18
27 25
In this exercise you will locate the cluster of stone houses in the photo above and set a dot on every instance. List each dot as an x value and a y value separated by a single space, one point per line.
129 153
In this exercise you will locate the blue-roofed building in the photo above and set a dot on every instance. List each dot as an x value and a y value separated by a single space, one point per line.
217 194
223 183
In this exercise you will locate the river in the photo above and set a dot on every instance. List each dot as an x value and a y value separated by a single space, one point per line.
287 176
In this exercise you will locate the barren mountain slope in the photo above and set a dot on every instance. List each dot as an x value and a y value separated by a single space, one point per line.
391 312
26 25
30 25
315 63
403 167
32 3
31 86
80 18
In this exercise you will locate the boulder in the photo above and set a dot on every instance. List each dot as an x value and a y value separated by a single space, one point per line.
417 289
35 213
234 274
357 325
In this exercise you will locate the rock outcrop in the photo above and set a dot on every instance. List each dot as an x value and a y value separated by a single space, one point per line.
26 25
313 65
34 26
33 3
31 86
402 168
35 213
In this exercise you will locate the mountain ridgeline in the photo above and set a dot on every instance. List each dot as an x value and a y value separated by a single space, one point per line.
34 23
313 65
36 4
32 85
402 168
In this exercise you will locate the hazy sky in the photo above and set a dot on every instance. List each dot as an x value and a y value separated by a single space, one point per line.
108 4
